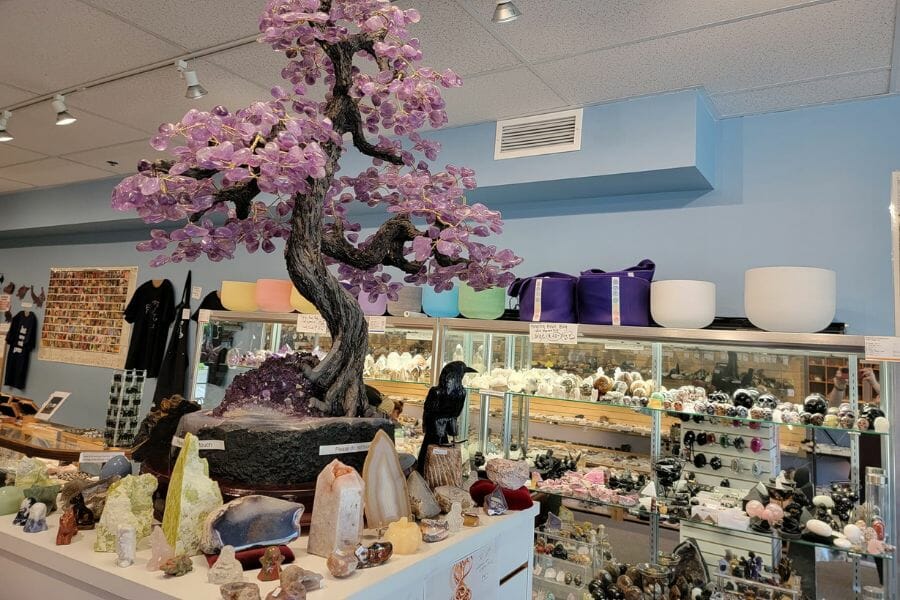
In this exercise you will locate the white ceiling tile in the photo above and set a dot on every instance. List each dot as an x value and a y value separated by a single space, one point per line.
10 95
782 97
11 155
556 28
51 171
157 97
7 185
127 155
36 130
499 95
254 62
826 39
452 38
53 44
190 23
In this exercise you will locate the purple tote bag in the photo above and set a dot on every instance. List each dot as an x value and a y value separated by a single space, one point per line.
546 297
616 298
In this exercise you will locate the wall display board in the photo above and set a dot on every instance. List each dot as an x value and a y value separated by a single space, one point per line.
83 322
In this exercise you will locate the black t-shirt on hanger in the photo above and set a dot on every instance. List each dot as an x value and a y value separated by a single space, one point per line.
22 338
150 312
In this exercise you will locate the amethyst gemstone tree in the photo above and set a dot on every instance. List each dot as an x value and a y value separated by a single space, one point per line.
269 171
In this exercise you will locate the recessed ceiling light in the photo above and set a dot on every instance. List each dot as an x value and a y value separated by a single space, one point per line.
4 134
62 115
194 89
505 11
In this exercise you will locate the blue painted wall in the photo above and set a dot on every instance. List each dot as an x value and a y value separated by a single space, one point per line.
806 187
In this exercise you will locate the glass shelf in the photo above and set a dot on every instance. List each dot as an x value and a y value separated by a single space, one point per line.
586 499
422 384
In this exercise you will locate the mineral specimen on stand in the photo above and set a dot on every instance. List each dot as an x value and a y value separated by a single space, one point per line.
31 472
227 568
404 536
293 574
446 495
277 386
67 527
251 521
160 550
387 498
337 518
443 466
511 474
434 530
192 495
126 545
373 555
129 502
37 518
421 499
177 566
271 564
240 591
342 563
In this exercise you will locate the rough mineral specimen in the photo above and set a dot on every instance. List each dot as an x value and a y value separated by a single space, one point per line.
277 386
251 521
31 472
443 466
240 591
387 498
227 568
404 536
511 474
337 518
421 499
129 502
446 495
160 550
192 495
342 563
177 566
293 574
44 493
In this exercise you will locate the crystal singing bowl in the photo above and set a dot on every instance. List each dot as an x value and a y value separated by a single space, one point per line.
790 299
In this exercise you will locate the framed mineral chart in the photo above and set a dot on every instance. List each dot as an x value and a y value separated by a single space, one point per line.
83 323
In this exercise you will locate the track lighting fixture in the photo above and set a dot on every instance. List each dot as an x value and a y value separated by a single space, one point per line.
505 11
62 115
4 119
194 89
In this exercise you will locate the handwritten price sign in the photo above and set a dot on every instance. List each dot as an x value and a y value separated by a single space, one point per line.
311 323
553 333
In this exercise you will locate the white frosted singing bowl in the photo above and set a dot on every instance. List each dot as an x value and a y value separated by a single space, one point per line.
239 296
683 303
790 299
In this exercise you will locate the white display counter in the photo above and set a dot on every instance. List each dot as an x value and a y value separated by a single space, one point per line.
33 566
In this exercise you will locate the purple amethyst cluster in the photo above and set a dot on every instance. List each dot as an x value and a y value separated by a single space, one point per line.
276 386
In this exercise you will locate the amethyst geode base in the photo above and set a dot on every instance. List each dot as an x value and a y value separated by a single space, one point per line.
270 450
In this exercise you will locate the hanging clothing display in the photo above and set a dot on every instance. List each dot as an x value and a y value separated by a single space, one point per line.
150 312
22 338
173 372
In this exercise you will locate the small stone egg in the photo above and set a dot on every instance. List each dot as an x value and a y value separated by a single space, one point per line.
819 528
853 533
882 425
831 421
843 543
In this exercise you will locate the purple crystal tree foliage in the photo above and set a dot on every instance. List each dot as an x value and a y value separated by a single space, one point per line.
269 171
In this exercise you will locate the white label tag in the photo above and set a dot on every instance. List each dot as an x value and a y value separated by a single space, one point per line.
178 442
616 313
553 333
538 288
196 292
203 317
312 323
97 458
883 348
4 327
344 448
377 324
186 314
419 335
439 451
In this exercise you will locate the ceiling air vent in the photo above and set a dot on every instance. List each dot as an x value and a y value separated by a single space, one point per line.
538 134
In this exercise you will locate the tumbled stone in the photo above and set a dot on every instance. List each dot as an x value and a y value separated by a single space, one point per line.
421 499
511 474
446 495
342 563
192 495
374 554
337 518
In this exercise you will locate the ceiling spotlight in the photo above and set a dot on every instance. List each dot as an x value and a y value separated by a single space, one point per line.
194 89
505 11
4 119
62 115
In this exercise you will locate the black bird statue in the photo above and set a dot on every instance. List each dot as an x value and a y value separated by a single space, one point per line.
443 404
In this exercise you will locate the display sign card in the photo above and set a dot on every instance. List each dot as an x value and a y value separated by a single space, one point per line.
52 404
178 442
344 448
97 458
377 324
196 292
312 323
553 333
883 348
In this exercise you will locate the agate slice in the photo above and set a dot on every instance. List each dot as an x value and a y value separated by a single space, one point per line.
387 498
251 521
421 499
337 518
